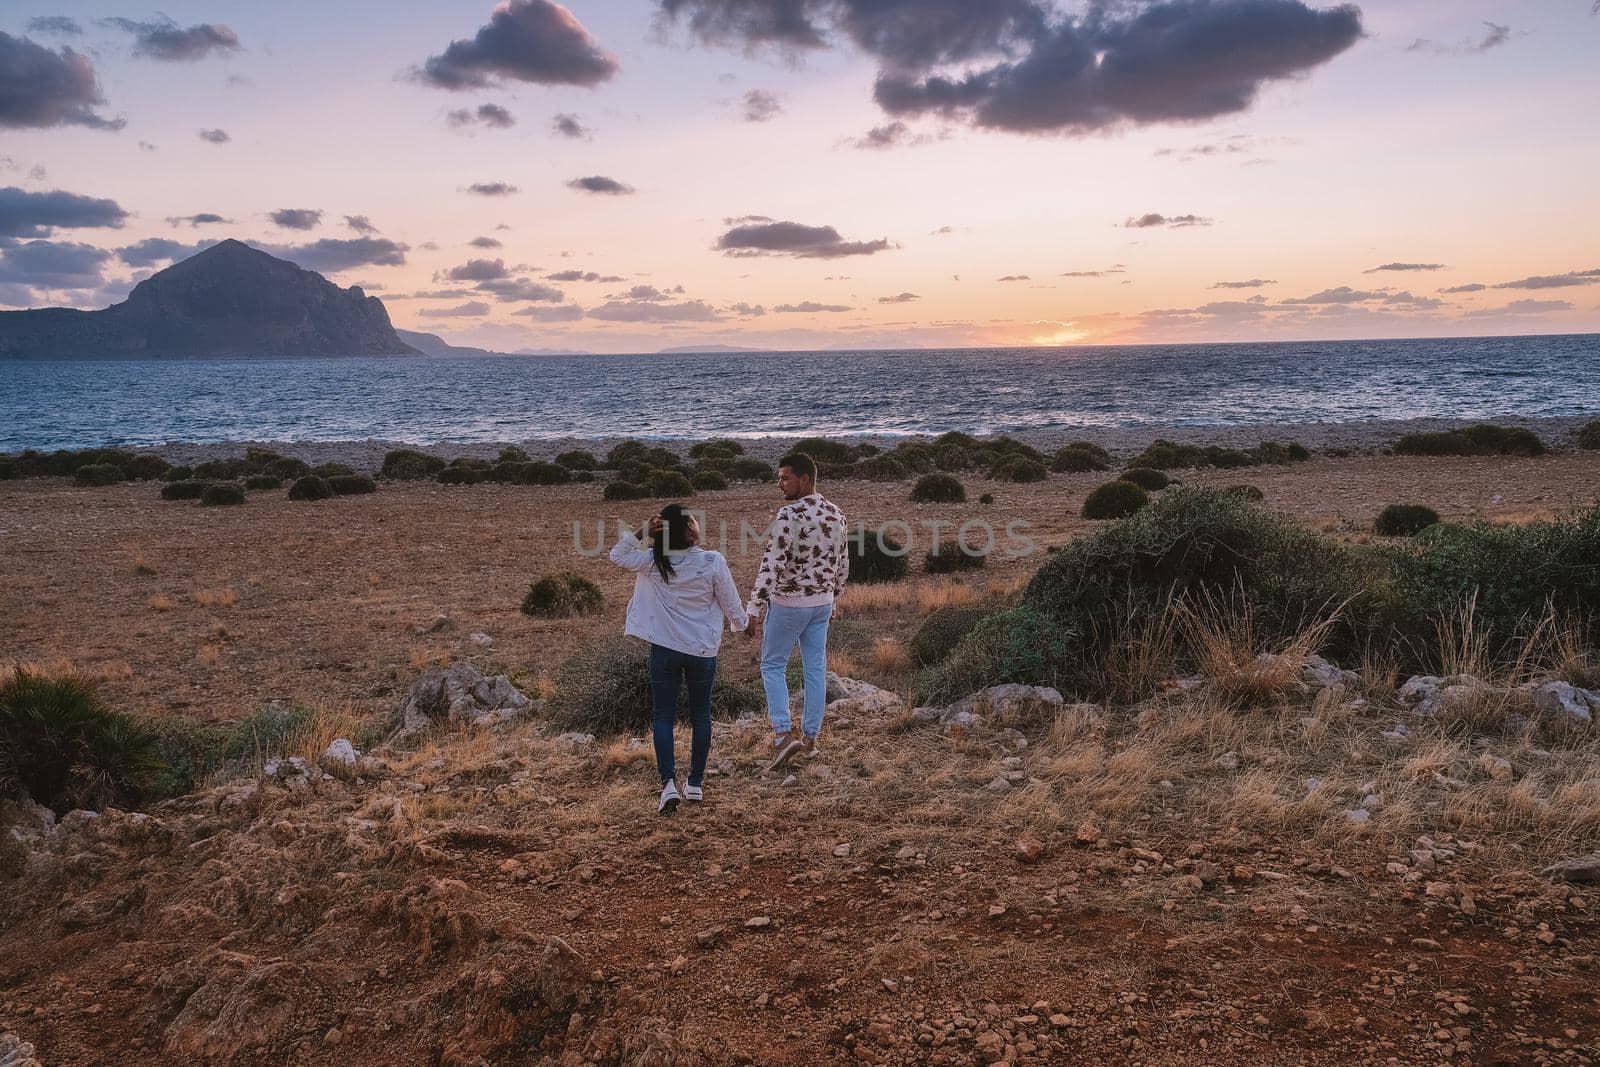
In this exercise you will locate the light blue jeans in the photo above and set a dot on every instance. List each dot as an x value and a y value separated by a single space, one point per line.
786 627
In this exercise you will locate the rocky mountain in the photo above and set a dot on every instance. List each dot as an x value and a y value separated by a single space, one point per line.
230 300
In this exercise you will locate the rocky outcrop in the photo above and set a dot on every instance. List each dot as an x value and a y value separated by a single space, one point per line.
230 300
460 695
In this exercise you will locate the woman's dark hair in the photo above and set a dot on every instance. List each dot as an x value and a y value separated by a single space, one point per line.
672 536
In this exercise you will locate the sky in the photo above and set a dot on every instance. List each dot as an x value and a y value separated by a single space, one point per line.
632 175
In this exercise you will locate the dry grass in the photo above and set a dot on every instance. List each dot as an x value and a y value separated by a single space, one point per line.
932 597
889 656
1222 641
210 655
422 657
225 597
162 602
878 596
142 566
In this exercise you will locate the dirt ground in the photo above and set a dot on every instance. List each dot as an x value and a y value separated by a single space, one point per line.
215 612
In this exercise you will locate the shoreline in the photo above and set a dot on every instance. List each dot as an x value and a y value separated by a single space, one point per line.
1365 436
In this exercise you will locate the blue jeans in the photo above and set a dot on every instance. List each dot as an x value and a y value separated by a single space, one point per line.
667 669
785 627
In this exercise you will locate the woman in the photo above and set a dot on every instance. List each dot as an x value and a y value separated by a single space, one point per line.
681 594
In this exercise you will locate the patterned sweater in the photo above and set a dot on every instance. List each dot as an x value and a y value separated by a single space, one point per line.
807 559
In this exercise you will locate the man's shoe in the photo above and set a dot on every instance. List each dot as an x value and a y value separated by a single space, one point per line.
809 749
669 799
787 747
693 794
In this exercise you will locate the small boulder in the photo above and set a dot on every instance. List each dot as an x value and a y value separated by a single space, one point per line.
1496 767
339 753
1562 699
458 695
1028 850
1008 701
1318 673
1580 869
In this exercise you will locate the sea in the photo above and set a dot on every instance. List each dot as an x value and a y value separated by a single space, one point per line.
73 404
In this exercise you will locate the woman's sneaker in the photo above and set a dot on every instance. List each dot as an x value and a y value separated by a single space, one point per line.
808 748
693 794
669 799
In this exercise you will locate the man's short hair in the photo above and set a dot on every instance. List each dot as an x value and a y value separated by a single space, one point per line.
801 464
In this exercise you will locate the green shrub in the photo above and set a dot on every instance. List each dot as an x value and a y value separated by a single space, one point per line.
9 470
1169 455
289 467
578 459
188 489
453 475
987 498
512 454
1482 439
351 484
952 458
583 476
885 468
1248 492
178 474
1114 500
145 467
1075 459
561 595
955 439
620 490
836 470
1147 478
263 481
310 487
1019 468
670 483
604 689
1589 436
823 449
749 469
66 748
938 489
639 454
190 751
257 456
224 470
409 465
1403 520
94 474
222 494
505 473
951 557
918 459
721 464
875 556
539 472
721 446
1010 446
332 470
941 630
708 480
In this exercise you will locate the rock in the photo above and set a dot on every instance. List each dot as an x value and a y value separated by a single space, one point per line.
998 785
1228 761
1318 673
1358 816
758 922
575 739
563 976
340 752
711 937
861 697
481 640
458 695
1495 767
15 1052
1028 849
1420 690
1426 944
842 851
1008 701
1580 869
1564 699
440 624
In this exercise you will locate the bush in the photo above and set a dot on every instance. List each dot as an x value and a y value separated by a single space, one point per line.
512 454
918 459
311 487
1169 455
670 483
604 689
188 489
222 494
1010 446
288 467
1482 439
941 630
1403 520
880 469
332 470
578 460
178 474
561 595
9 469
721 446
94 474
952 458
708 480
144 467
1018 468
463 475
189 751
824 450
539 472
1114 500
951 557
1146 478
223 469
409 465
263 481
1077 458
351 484
938 489
876 557
583 476
1247 492
620 490
747 469
639 454
987 498
955 439
63 746
1589 436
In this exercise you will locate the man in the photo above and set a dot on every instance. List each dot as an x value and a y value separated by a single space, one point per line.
802 573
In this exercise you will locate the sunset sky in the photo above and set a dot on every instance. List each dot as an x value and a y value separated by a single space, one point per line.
627 175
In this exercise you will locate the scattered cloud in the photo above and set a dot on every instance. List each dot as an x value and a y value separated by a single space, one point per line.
296 218
761 105
560 313
472 309
332 255
492 188
1150 219
1247 283
513 290
757 235
524 41
1522 307
1341 295
59 25
153 250
581 276
1231 146
1553 281
491 115
1471 287
215 136
26 214
1015 278
653 311
476 270
747 311
809 307
1494 36
1404 267
571 126
899 298
360 224
485 242
1023 66
600 185
204 218
894 134
49 265
40 88
165 40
